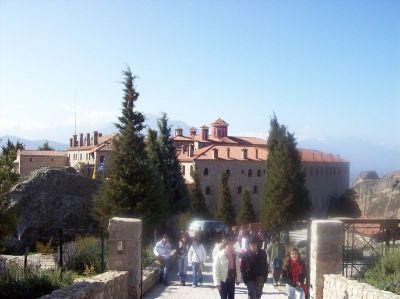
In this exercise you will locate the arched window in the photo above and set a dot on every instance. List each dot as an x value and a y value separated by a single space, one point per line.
205 171
250 173
239 189
208 190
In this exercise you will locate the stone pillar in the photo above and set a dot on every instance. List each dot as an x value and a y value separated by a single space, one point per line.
325 253
124 251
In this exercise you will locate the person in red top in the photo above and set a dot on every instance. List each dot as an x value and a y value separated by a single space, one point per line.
294 274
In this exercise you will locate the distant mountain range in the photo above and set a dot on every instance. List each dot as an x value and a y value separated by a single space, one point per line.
362 155
32 144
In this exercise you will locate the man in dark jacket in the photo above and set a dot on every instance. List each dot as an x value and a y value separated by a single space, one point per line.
254 269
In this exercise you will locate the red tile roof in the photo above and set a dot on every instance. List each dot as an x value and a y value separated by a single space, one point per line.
42 153
220 121
236 153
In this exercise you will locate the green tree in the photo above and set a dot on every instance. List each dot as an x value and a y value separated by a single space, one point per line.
285 196
8 178
225 208
344 205
246 213
197 201
45 147
132 189
170 168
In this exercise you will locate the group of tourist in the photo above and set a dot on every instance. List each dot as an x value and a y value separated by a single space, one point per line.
249 265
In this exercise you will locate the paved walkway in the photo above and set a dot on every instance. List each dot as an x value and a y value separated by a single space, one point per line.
206 291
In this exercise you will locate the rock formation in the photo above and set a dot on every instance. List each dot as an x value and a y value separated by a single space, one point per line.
378 198
50 198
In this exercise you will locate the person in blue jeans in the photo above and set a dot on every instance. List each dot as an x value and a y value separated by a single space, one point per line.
162 251
196 257
182 252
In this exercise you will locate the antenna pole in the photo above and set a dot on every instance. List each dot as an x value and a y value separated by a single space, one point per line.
75 112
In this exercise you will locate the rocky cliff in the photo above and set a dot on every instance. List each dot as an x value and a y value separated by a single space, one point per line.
49 198
378 198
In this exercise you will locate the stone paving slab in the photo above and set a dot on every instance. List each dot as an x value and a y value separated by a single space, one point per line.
207 290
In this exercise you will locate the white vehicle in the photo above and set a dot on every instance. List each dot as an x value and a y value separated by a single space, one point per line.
216 226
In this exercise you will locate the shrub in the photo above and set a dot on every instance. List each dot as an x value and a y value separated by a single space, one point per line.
385 275
148 256
82 254
32 283
44 247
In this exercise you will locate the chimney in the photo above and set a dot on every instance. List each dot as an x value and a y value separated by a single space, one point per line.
178 132
71 142
190 150
95 138
87 139
257 153
192 132
228 152
215 153
244 153
80 139
204 133
75 139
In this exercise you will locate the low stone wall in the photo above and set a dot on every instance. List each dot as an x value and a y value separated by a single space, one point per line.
340 287
111 284
151 275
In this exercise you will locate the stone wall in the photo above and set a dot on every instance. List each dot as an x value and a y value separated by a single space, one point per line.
109 285
339 287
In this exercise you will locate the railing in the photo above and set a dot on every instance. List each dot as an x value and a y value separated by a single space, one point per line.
77 249
364 240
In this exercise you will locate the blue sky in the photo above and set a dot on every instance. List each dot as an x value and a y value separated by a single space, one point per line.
326 68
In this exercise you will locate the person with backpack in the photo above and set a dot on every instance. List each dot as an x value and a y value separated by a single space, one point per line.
162 251
276 253
294 274
196 257
182 253
254 269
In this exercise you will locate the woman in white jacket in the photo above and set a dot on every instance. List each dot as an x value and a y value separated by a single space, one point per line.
196 256
225 271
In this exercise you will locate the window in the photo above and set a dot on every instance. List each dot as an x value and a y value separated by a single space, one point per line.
264 171
30 159
183 169
52 160
191 170
326 170
255 189
228 171
258 172
242 172
205 171
250 173
239 189
334 170
80 157
316 171
338 170
208 190
311 171
101 159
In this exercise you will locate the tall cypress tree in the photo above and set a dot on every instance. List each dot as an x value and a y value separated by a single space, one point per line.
132 189
246 213
170 168
285 196
197 201
225 208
